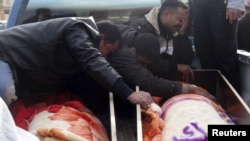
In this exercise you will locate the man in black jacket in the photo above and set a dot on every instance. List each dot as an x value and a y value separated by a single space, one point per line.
243 33
131 63
168 23
46 57
215 29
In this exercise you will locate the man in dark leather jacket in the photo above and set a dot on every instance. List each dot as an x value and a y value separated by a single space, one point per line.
45 57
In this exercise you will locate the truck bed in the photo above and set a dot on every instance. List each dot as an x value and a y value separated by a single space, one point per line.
213 81
227 96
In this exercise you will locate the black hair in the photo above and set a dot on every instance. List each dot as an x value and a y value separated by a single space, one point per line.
110 30
147 45
172 5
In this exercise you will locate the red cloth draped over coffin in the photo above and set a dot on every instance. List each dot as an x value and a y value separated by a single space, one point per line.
184 117
60 117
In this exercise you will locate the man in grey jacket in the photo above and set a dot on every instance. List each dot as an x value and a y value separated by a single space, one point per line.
46 57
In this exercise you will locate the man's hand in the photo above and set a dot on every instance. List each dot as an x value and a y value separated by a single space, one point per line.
193 89
233 14
142 98
186 71
184 24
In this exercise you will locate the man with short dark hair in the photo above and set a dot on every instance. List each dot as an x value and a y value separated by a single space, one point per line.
131 63
140 50
168 23
46 57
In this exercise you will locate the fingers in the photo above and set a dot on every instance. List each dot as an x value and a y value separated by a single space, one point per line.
232 14
188 72
145 106
147 101
142 98
185 76
156 108
184 25
192 74
210 96
205 93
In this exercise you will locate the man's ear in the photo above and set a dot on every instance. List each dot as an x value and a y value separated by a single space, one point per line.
102 36
166 13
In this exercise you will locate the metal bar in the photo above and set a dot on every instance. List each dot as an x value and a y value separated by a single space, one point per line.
112 117
138 120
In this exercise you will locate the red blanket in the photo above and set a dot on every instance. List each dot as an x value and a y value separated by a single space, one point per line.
61 117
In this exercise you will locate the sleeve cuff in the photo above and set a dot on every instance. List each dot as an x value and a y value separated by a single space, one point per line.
121 89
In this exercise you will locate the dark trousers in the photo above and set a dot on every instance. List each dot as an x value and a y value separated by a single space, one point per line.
215 38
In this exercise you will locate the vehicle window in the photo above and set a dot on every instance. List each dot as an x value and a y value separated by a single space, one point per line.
117 11
2 25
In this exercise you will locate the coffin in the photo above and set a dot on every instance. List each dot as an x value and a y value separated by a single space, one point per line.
216 83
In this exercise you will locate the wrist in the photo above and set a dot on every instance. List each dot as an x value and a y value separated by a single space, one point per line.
121 89
185 88
188 88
